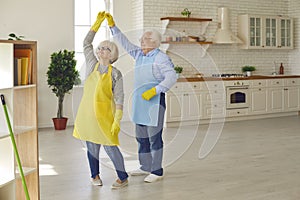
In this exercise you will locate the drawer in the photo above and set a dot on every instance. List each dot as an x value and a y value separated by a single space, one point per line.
215 95
291 81
195 86
258 83
237 112
177 87
275 82
187 87
215 85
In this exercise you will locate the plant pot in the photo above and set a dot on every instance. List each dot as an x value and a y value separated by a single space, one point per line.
60 123
248 73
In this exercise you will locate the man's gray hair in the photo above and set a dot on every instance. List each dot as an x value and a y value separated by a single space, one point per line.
155 35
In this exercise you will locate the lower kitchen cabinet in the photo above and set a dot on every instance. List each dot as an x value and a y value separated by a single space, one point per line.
291 98
183 102
199 102
258 100
258 97
276 99
292 94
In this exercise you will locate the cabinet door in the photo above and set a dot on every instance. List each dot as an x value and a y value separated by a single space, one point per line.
291 99
276 100
173 111
255 27
190 106
258 101
270 31
285 33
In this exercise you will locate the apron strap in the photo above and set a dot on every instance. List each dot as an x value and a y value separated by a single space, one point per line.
96 67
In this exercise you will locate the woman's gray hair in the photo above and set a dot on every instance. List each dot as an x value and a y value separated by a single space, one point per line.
155 35
114 51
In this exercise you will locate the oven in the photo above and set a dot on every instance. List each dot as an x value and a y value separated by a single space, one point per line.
237 95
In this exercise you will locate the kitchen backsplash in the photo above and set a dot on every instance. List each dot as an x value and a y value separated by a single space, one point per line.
220 58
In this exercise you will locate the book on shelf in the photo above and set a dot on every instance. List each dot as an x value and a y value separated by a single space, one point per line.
17 71
26 67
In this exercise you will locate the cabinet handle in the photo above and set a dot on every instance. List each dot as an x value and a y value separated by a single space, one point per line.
277 82
259 83
238 112
293 81
285 89
259 89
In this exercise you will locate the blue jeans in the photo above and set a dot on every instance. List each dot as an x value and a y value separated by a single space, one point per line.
114 154
150 143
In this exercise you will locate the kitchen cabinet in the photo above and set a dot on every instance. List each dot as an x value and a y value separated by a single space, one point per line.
183 102
291 94
214 100
265 32
258 97
275 95
21 103
200 102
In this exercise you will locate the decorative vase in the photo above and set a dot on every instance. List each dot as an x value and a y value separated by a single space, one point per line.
60 123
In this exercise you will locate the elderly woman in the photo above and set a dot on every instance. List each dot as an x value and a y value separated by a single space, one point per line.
100 110
154 75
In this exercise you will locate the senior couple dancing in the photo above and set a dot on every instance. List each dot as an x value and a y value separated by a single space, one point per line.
101 107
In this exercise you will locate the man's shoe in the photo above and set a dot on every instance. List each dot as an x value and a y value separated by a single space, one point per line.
119 184
138 172
152 178
96 181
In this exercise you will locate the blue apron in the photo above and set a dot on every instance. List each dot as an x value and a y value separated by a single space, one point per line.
145 112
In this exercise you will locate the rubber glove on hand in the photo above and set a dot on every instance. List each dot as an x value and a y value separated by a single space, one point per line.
110 20
149 94
99 20
115 128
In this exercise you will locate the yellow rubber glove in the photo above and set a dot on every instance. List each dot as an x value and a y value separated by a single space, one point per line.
149 94
115 128
98 22
110 20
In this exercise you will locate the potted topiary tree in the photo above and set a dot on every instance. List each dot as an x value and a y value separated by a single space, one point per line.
62 76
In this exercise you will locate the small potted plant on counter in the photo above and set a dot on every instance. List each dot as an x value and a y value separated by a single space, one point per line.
178 69
248 70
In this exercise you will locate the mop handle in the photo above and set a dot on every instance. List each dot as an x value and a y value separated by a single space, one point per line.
15 148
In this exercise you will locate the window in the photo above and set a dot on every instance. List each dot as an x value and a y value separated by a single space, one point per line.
85 15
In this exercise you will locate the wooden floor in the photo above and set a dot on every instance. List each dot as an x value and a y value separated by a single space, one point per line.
253 160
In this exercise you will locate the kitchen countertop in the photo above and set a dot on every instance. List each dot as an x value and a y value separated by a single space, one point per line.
253 77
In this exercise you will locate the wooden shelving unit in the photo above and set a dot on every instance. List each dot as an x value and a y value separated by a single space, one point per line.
203 23
21 103
173 42
189 19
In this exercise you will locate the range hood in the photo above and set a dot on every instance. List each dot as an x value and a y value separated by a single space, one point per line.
224 35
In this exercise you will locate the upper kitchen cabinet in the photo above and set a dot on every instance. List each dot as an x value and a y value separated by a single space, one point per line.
265 32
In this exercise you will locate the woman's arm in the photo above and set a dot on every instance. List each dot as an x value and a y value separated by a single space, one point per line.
117 88
88 51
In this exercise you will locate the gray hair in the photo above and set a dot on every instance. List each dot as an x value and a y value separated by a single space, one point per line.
155 35
114 50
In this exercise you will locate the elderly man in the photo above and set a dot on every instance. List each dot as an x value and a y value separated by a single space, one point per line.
153 76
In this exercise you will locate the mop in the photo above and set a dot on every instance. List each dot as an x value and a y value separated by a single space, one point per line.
15 148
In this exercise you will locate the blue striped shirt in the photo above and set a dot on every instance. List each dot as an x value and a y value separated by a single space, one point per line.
163 68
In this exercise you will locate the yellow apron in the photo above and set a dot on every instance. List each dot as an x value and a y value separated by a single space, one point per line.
95 113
